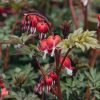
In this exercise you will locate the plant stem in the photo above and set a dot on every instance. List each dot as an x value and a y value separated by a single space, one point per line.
95 52
57 56
87 94
59 88
5 67
85 12
73 13
39 67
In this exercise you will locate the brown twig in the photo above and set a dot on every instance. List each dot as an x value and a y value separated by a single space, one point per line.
57 58
73 13
39 67
85 13
59 88
14 27
95 52
6 59
87 94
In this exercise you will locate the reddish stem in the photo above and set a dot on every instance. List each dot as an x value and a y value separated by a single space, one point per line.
73 13
95 52
6 59
39 67
85 13
59 87
57 57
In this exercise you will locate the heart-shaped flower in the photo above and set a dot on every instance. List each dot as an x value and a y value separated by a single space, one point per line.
67 65
42 28
53 75
52 41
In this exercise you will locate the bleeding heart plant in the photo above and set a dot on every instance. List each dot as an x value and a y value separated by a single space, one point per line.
39 40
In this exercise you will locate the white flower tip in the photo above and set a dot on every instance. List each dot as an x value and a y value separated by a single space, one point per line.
85 2
45 53
69 71
52 53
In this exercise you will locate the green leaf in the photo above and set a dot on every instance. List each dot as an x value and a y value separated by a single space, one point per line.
81 39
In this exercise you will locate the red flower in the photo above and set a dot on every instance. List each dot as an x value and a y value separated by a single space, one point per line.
42 28
67 62
34 20
67 65
4 92
52 41
48 45
53 75
49 82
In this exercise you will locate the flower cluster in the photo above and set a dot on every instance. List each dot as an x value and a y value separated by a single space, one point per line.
48 45
4 91
48 82
67 66
33 23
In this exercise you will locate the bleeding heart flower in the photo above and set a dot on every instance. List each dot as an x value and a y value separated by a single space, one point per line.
42 28
53 75
52 41
43 47
34 21
67 65
4 92
49 82
67 62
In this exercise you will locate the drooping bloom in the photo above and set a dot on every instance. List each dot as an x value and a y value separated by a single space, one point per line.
52 41
33 23
54 76
42 28
47 82
48 45
67 66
